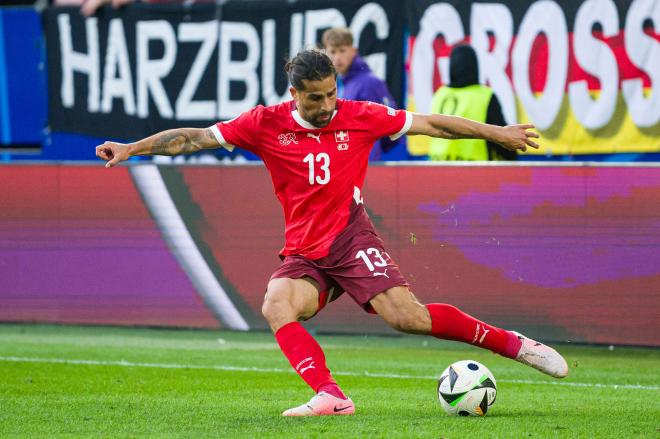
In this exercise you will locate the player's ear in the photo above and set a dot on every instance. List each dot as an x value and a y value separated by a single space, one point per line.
294 93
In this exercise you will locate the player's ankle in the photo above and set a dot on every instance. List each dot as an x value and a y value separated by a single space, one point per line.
332 389
512 347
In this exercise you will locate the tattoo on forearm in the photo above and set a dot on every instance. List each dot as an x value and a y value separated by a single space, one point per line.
209 134
172 143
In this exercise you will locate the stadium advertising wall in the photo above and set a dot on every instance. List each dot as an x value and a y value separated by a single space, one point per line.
586 73
560 253
127 73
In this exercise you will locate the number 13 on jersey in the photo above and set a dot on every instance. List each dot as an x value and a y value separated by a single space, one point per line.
323 174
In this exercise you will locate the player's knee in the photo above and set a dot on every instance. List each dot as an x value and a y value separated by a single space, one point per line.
277 302
274 307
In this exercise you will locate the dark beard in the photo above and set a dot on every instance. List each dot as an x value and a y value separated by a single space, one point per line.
317 122
321 124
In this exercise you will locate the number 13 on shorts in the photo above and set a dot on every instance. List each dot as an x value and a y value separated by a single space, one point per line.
374 259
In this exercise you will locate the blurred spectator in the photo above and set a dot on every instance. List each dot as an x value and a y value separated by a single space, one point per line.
465 97
89 7
356 81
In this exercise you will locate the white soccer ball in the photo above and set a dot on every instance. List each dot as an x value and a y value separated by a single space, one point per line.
466 388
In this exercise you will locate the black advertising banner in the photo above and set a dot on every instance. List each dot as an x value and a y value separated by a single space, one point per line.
586 73
144 68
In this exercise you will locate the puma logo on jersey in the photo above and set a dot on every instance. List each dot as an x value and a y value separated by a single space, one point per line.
317 137
384 273
287 138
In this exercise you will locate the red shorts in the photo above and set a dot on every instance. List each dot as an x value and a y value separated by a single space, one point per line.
357 264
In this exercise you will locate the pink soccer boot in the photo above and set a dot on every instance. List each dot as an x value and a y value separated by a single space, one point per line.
541 357
323 404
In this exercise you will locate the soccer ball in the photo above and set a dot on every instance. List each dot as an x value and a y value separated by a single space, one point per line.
466 388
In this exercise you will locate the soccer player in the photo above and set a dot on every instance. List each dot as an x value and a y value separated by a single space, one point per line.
316 148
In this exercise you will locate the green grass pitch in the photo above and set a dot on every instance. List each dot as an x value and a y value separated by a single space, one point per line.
68 381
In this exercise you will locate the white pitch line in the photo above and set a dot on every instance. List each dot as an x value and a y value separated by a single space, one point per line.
123 363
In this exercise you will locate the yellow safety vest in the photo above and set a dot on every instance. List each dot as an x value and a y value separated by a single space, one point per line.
470 102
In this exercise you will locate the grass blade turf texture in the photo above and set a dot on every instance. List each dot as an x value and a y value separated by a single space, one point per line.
71 381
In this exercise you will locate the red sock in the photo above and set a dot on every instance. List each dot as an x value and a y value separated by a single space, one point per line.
307 358
450 323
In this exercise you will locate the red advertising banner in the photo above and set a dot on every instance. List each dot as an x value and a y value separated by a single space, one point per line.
564 253
77 245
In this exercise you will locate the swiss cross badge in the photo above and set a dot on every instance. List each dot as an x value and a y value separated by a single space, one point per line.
286 138
341 136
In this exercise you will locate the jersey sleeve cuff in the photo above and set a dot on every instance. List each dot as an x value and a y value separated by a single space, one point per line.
406 126
221 140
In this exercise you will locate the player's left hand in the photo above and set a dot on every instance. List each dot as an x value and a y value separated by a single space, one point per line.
518 137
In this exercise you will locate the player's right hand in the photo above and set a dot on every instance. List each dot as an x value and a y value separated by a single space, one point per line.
112 153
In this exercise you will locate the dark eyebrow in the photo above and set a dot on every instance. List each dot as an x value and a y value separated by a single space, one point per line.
319 94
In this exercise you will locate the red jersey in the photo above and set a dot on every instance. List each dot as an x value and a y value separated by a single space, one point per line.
317 173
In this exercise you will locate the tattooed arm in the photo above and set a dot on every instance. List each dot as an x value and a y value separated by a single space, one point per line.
169 142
